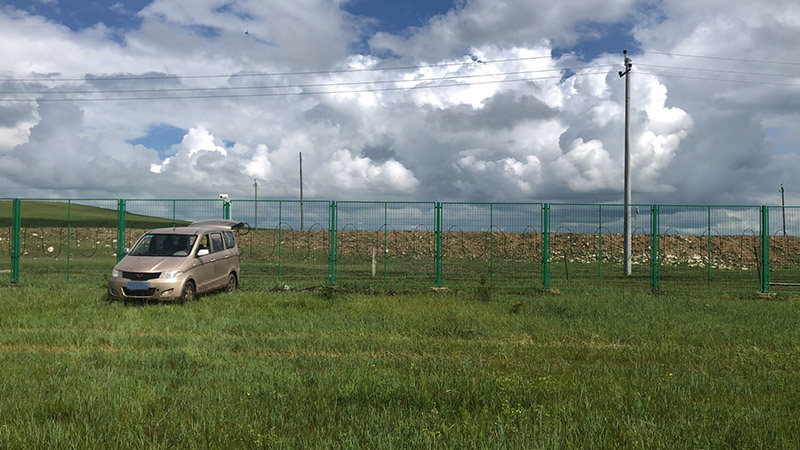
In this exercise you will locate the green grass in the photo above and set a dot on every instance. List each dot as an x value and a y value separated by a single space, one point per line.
475 369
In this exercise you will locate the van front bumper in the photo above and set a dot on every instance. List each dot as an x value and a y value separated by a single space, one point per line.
155 289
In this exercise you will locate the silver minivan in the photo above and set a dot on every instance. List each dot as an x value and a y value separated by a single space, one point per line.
179 263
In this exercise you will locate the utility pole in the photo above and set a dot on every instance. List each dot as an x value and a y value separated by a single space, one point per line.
627 226
301 191
783 210
255 204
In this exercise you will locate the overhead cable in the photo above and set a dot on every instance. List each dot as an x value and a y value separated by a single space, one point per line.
727 80
734 72
722 58
307 85
301 93
271 74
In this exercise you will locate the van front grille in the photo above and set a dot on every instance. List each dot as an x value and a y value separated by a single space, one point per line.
140 276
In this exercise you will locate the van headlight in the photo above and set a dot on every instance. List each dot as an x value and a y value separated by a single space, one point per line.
116 273
170 275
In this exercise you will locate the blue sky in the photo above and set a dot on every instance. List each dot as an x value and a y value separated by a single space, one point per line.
80 14
395 17
385 101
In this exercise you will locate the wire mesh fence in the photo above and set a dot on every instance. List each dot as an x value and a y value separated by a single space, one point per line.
382 243
491 244
710 247
66 240
6 246
412 245
586 245
286 241
784 248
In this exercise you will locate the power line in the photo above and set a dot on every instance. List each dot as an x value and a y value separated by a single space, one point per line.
272 74
303 93
722 58
689 77
283 86
734 72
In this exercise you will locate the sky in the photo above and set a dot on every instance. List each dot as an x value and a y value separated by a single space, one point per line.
463 100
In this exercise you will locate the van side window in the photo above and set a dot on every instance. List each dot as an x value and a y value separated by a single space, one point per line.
216 242
230 242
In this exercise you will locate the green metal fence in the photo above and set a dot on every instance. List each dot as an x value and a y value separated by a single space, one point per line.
285 243
711 247
783 249
491 244
586 246
412 245
62 240
6 244
386 244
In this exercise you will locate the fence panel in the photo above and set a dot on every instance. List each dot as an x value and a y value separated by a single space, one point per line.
286 242
710 247
6 210
67 240
143 215
587 246
491 244
385 244
784 248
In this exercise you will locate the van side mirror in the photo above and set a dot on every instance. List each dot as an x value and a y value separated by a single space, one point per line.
202 252
126 250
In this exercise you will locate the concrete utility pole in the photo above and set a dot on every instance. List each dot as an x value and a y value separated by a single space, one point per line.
783 210
301 191
255 205
627 241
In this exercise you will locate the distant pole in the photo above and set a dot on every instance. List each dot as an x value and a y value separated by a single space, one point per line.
627 226
301 190
783 210
255 204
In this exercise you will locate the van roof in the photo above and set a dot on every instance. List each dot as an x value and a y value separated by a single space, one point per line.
200 226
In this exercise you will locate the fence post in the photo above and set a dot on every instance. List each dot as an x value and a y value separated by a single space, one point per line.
16 221
437 244
765 249
280 240
491 244
546 245
69 235
600 243
226 209
120 229
655 257
332 243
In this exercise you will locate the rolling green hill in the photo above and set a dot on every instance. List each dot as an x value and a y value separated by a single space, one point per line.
58 214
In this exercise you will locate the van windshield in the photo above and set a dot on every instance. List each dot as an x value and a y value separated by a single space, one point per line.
164 245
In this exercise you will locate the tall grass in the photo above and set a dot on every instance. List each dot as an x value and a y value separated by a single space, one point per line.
464 369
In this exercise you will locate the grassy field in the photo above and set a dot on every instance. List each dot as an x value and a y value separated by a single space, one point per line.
469 369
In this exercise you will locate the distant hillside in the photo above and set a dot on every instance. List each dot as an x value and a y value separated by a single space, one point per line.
56 214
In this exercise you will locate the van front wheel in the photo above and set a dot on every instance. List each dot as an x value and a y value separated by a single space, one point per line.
189 292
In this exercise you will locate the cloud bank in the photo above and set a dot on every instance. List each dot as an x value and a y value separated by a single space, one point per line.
489 105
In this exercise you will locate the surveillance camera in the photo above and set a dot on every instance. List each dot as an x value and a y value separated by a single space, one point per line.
223 196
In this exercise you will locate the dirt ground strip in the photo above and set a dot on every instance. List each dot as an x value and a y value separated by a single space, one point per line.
723 252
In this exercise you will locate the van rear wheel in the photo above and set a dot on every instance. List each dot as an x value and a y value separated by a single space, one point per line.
189 292
232 284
